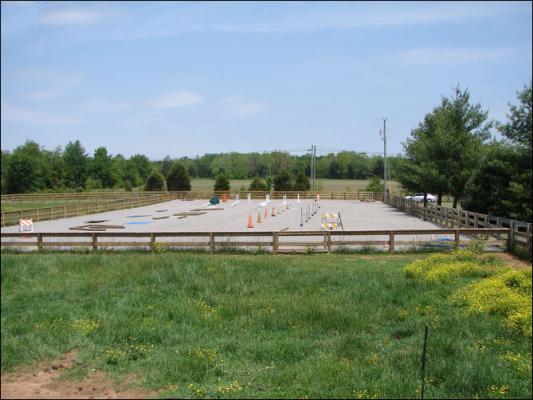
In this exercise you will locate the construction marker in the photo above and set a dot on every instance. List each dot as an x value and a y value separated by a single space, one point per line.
250 222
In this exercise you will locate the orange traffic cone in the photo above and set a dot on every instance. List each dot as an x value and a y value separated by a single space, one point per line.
266 213
250 222
224 197
259 217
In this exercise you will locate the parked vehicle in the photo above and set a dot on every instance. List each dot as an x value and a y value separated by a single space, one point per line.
419 197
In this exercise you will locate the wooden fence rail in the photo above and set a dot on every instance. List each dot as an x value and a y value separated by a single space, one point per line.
272 241
138 199
520 233
189 195
74 210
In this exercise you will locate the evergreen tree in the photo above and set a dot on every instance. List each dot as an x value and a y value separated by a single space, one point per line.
301 182
177 178
155 182
221 183
282 181
259 185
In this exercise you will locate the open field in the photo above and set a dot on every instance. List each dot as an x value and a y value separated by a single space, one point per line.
189 325
324 185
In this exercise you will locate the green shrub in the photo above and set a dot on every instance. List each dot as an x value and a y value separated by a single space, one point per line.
155 182
375 185
258 184
221 183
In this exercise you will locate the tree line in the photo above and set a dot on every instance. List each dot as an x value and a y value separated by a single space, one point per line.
453 152
32 168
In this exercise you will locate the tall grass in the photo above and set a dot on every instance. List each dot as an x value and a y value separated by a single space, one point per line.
198 325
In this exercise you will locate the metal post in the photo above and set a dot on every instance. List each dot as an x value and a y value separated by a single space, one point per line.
424 361
384 137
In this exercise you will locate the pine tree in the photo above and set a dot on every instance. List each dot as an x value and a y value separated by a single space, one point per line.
178 179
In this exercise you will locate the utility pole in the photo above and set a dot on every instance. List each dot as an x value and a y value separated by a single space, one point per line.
313 166
384 137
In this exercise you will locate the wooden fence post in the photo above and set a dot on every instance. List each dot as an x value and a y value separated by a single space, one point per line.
40 242
529 246
510 237
152 241
391 242
329 241
274 242
95 245
457 238
325 240
211 242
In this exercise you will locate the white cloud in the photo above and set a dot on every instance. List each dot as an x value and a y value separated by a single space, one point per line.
176 99
37 117
70 17
21 3
457 55
300 18
100 105
57 85
242 106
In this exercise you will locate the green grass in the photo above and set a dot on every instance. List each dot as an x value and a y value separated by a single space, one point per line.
199 325
24 205
325 185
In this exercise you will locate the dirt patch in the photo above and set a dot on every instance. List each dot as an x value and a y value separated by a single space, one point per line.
512 260
41 382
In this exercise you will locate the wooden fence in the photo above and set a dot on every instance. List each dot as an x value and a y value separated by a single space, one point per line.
520 233
188 195
74 210
275 242
107 202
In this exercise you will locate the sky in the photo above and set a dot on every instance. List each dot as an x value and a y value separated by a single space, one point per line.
188 78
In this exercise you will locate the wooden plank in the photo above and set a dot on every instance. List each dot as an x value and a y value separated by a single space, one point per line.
245 244
17 244
183 244
361 242
67 244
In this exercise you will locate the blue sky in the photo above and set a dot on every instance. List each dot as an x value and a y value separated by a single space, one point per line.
183 79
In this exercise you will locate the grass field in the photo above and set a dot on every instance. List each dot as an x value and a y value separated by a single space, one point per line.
198 325
325 185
